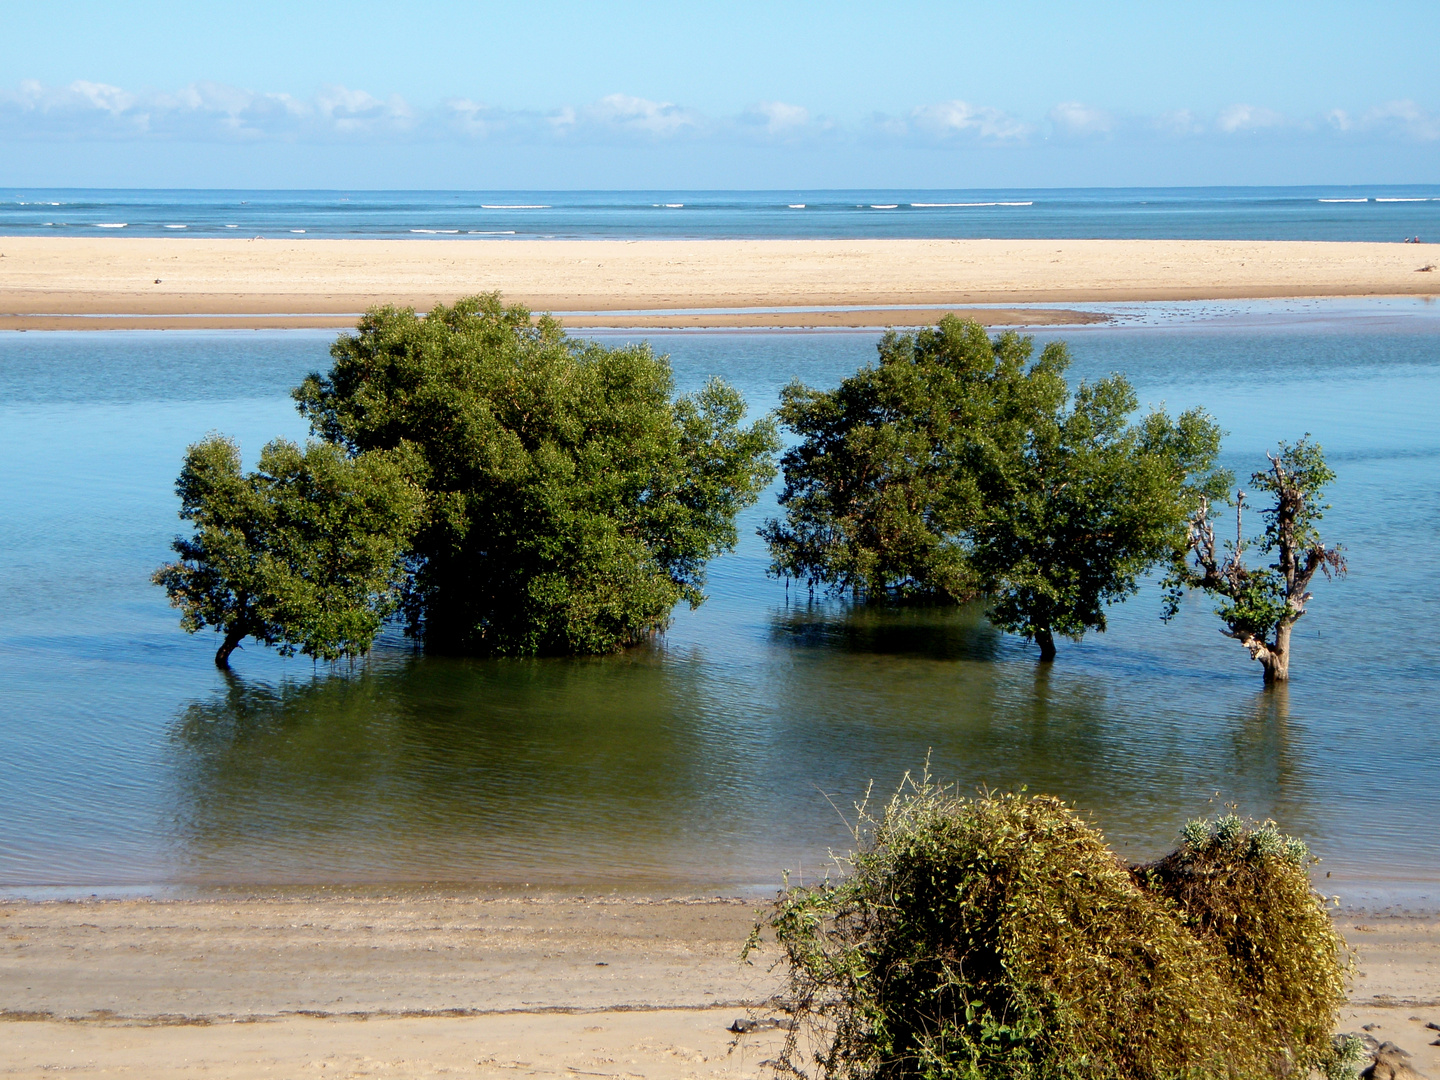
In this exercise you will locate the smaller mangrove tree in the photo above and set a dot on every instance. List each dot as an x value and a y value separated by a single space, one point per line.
1261 605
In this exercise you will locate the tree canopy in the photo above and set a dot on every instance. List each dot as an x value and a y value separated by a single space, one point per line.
305 553
962 466
1260 606
569 498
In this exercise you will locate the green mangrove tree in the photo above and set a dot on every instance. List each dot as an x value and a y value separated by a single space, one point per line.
962 466
568 499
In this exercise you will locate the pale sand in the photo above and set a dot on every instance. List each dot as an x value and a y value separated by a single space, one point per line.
320 280
427 985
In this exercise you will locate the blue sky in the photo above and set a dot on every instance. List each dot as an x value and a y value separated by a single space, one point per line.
748 95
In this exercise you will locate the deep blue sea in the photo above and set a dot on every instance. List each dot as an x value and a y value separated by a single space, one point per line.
1372 212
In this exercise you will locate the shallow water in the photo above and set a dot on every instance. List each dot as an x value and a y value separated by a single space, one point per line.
711 760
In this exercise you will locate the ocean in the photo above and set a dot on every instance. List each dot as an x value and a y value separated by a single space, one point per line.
1372 213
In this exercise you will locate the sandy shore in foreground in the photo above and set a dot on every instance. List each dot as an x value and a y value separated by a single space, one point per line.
426 985
263 282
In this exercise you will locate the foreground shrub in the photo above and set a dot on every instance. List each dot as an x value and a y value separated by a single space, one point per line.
1245 891
1000 937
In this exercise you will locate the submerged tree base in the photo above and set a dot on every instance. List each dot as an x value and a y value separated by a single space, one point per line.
999 937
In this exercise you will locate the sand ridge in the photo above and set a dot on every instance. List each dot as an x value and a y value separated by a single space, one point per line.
325 279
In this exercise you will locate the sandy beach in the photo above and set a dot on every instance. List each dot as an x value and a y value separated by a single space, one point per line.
71 282
427 985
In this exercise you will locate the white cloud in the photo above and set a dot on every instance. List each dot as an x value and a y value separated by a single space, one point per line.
473 117
111 99
1247 118
639 115
355 111
1179 122
1074 118
215 112
1404 118
952 117
202 110
777 117
563 119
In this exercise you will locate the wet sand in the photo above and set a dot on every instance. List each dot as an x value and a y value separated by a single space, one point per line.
50 282
407 986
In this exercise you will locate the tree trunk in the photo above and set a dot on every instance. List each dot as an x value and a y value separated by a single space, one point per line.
229 645
1276 661
1046 640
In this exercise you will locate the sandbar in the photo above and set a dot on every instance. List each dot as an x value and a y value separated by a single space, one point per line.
428 983
78 282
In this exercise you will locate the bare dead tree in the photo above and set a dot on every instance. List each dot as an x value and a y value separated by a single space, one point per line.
1261 605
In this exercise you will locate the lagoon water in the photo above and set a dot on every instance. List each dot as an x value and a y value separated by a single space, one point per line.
710 760
1374 212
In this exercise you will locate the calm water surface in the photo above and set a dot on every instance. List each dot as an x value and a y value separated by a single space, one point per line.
710 760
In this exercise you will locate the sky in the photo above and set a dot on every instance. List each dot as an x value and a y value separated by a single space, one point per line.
564 95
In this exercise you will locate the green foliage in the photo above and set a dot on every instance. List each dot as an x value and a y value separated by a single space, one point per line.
306 553
1260 605
959 467
888 472
999 937
571 502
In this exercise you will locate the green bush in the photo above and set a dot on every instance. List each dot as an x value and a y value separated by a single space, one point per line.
1000 937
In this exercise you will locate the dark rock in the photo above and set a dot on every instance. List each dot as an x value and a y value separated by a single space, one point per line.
769 1023
1391 1063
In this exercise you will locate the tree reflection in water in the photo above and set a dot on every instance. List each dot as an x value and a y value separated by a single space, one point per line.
702 765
